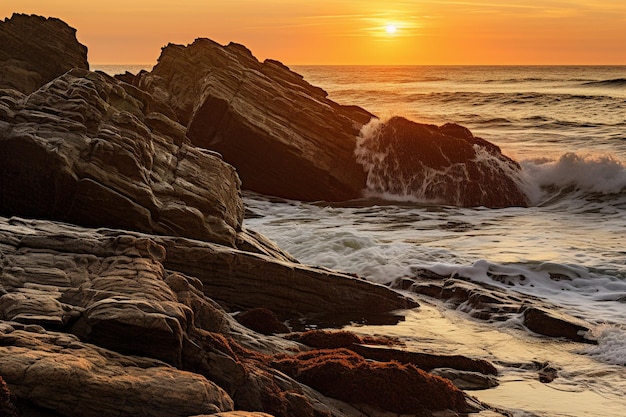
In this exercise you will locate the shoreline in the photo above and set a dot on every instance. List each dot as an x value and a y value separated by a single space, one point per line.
578 390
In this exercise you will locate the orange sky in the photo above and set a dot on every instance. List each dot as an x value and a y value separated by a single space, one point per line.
350 31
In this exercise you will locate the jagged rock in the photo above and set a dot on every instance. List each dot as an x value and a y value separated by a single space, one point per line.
284 136
36 50
446 165
61 259
94 151
123 291
58 372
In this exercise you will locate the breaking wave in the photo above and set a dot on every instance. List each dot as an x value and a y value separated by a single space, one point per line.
580 176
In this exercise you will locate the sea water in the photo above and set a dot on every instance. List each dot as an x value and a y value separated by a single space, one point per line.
566 126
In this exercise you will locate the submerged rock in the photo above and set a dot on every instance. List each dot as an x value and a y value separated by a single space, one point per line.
492 303
36 50
444 165
284 136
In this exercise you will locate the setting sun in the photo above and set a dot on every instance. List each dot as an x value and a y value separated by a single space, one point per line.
330 32
391 29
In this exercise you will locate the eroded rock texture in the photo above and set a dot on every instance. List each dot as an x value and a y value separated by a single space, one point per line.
36 50
116 299
93 151
284 136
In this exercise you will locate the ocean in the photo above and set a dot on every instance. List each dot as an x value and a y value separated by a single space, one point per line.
566 126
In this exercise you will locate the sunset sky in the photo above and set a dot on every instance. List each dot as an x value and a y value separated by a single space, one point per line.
350 31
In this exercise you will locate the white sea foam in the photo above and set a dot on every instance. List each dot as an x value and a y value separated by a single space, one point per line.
611 347
601 174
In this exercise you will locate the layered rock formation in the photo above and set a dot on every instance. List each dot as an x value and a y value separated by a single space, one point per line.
444 165
94 151
35 50
283 135
74 302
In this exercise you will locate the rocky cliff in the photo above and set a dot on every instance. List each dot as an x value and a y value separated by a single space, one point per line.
36 50
284 136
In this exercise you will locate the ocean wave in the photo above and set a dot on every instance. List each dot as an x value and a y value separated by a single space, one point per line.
532 98
584 176
617 82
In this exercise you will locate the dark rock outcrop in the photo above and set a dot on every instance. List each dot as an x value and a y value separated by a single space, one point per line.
284 136
262 320
556 324
287 139
36 50
445 165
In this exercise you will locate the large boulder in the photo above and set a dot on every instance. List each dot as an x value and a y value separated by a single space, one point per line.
444 165
284 136
36 50
91 150
56 371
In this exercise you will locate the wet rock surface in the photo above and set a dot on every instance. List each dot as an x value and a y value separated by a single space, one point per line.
491 303
445 165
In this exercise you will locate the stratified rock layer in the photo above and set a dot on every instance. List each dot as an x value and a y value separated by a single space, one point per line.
283 135
116 305
35 50
445 165
93 151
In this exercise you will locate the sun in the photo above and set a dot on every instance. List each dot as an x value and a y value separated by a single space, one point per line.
391 29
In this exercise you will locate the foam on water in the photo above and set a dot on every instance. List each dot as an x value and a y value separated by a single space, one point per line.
582 174
611 347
